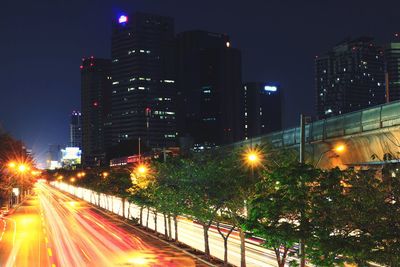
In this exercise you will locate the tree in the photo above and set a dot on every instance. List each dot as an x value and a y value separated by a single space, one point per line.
203 187
279 211
170 194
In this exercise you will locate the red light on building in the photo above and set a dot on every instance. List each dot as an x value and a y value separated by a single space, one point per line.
95 104
81 67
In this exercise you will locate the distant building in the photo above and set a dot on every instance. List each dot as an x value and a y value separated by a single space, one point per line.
96 109
143 80
262 108
392 64
350 77
53 157
75 129
210 98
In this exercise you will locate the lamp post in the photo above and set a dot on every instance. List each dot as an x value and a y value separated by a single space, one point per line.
252 157
340 148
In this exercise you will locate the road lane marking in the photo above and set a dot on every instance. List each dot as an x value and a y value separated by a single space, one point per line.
49 251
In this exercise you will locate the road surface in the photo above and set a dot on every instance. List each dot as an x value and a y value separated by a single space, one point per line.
52 229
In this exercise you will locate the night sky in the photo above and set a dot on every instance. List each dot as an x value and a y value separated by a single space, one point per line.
42 43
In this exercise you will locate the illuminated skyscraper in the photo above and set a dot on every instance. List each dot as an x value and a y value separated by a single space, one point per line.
262 108
75 129
143 80
350 77
209 89
96 108
392 61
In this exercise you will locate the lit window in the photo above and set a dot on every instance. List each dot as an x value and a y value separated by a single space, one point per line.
169 81
115 83
141 88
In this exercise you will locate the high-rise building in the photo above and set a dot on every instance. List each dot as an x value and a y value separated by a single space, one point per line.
75 129
392 64
96 108
209 89
143 80
262 108
350 77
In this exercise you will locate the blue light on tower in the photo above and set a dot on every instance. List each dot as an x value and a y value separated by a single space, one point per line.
122 19
270 88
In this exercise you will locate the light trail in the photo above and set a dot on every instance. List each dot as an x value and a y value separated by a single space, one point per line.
80 236
189 232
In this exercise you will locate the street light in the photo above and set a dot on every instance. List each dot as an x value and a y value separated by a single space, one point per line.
252 157
340 148
72 179
105 174
11 165
142 169
22 168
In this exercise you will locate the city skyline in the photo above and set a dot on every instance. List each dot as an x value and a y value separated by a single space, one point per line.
262 59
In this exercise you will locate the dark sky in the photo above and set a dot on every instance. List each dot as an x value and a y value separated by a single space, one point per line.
42 43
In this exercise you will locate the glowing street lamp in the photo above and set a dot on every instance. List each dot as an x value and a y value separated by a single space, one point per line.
72 179
339 149
12 165
142 169
252 157
22 168
105 174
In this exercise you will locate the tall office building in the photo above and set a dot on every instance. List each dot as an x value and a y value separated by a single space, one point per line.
143 80
350 77
96 108
262 108
75 129
209 89
392 64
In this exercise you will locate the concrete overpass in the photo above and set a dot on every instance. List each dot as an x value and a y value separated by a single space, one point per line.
371 137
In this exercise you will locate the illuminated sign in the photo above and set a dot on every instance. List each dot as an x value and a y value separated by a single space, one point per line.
71 153
123 19
270 88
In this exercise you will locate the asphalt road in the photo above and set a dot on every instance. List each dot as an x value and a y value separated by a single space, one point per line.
53 229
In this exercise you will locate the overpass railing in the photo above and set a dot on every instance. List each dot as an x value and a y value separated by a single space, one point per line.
378 117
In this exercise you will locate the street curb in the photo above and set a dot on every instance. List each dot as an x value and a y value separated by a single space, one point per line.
140 230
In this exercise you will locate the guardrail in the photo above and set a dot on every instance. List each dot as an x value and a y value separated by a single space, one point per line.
189 232
378 117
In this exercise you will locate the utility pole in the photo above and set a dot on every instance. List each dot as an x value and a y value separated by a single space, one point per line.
302 137
139 148
302 160
387 87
